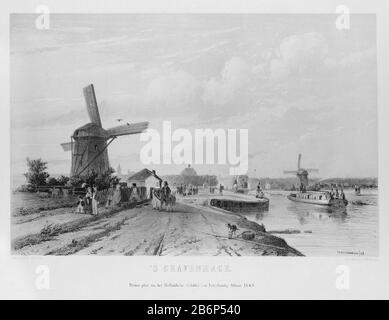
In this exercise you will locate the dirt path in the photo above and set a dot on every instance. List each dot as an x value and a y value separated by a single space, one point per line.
143 231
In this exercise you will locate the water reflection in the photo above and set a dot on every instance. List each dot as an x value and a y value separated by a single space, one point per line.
260 215
324 230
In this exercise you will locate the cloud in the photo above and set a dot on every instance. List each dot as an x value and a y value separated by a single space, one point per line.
298 54
352 59
172 90
217 32
234 77
69 45
305 108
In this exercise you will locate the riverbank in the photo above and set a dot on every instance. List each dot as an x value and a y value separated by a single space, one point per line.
140 230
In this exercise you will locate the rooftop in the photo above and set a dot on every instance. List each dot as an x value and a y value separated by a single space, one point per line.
189 171
143 175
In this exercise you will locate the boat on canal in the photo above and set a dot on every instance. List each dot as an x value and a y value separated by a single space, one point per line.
240 203
318 198
323 198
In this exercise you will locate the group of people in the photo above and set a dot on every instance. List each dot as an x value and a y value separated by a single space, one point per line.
260 194
163 196
57 193
112 197
336 194
185 190
219 188
88 204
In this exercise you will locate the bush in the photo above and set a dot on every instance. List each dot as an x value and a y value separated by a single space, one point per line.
51 230
61 181
52 182
76 181
102 181
25 211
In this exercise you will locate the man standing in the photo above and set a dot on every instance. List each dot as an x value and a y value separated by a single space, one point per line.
165 193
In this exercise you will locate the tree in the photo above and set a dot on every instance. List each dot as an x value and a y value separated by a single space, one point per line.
76 181
106 179
63 180
37 173
52 181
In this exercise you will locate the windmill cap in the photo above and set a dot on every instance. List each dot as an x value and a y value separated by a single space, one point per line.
90 130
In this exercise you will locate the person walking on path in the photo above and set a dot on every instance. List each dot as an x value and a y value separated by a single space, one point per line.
109 196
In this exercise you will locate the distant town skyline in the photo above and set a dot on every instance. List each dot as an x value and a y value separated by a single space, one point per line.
296 82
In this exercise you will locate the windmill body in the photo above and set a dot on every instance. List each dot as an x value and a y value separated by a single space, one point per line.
302 174
89 143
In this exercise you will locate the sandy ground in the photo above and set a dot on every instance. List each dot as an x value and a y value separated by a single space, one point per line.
190 229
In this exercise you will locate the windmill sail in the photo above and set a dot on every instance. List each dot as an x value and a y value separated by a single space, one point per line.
127 129
89 142
91 105
67 146
299 161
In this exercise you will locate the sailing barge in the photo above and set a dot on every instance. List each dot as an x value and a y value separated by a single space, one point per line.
323 198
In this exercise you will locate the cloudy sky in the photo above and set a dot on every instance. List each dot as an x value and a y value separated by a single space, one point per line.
296 82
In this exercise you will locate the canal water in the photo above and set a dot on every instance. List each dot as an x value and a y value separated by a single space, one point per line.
352 231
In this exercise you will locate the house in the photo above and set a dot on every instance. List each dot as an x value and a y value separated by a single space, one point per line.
145 178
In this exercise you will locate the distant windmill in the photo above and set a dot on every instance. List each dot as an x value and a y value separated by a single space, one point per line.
302 174
89 143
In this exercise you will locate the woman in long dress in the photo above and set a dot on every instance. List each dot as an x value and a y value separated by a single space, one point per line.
88 200
109 197
94 201
117 196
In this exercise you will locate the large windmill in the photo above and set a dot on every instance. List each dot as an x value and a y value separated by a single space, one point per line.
302 174
89 143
